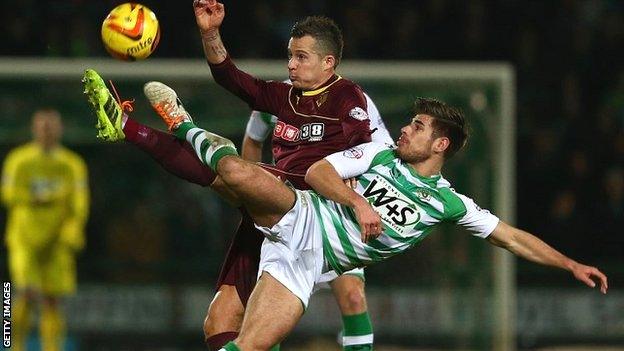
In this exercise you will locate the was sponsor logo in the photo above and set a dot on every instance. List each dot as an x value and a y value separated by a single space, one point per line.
397 211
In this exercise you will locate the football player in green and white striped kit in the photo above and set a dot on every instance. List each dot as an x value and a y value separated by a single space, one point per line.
348 288
400 197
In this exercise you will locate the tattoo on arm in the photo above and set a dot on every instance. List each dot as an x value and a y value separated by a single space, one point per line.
219 51
213 47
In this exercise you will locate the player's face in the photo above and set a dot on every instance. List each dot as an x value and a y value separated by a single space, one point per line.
47 128
307 69
416 141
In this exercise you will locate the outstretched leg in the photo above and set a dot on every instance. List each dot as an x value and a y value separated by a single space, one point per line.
264 196
174 155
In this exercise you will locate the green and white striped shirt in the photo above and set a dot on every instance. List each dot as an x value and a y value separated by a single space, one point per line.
410 206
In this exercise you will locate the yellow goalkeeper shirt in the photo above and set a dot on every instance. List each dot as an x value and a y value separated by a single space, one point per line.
47 197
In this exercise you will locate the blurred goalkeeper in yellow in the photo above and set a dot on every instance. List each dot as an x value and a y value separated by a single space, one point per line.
44 187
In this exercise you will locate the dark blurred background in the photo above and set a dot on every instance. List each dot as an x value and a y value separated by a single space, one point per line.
569 61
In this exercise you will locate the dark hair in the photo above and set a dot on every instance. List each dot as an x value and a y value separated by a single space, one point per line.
447 121
326 33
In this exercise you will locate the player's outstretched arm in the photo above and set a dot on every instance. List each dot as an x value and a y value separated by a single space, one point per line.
209 15
528 246
324 179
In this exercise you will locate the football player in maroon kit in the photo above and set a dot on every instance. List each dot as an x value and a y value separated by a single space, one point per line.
318 114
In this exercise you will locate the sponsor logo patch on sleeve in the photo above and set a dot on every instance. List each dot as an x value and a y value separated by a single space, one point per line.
358 113
354 152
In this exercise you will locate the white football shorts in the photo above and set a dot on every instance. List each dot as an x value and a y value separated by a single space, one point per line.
292 251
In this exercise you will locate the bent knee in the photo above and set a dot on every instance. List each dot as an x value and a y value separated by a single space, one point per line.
355 301
352 298
234 170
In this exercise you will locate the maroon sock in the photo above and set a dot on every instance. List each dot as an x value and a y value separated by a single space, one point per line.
217 341
175 156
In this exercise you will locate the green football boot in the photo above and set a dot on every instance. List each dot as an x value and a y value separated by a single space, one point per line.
108 110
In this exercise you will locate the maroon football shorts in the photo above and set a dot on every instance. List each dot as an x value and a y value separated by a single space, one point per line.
240 268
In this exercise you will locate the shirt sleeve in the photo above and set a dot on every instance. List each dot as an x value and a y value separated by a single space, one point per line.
480 222
355 119
379 131
259 125
267 96
356 160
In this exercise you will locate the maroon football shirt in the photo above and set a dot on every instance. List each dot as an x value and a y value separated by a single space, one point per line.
311 124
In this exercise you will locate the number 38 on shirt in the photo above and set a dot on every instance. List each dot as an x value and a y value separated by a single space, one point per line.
308 132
